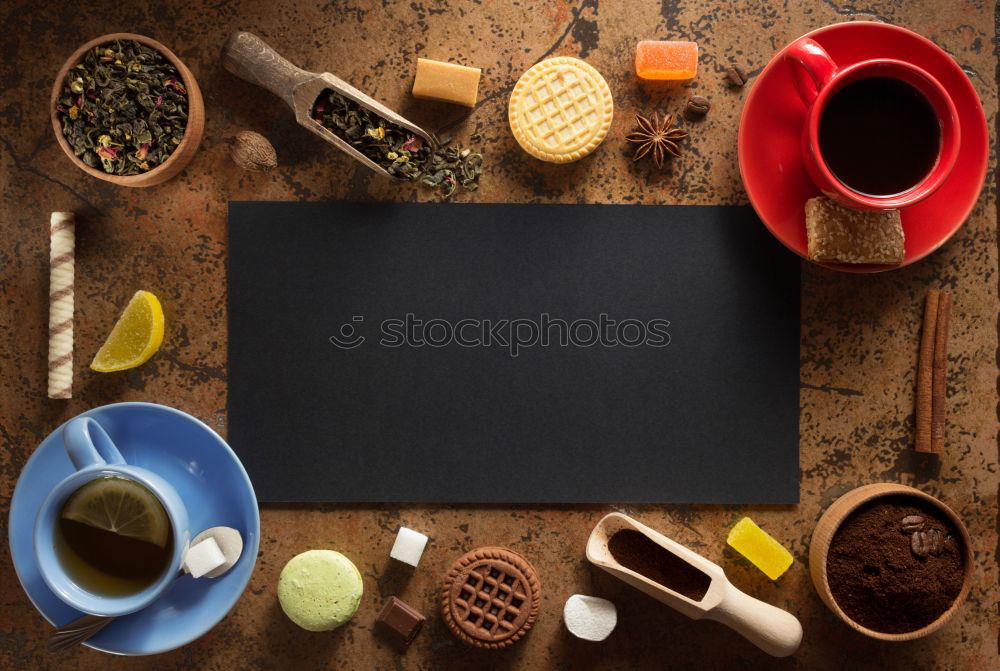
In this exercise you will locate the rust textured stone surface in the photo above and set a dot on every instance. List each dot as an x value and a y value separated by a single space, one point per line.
859 333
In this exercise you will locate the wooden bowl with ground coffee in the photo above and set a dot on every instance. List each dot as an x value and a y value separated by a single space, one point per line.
892 562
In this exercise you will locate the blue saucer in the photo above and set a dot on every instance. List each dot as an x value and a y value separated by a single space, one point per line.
214 487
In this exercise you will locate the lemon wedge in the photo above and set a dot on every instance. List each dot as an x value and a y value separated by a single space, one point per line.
120 506
135 338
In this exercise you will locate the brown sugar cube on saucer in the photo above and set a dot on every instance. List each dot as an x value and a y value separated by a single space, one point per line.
399 622
841 235
490 597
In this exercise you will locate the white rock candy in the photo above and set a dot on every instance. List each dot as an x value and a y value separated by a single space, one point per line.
589 617
409 546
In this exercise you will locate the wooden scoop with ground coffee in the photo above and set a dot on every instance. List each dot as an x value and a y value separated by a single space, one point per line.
689 583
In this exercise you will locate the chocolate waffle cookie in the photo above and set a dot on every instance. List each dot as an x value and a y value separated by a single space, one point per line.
490 597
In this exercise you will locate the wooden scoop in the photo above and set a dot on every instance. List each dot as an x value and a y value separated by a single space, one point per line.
771 629
250 58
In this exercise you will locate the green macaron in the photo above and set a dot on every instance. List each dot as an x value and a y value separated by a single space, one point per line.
320 590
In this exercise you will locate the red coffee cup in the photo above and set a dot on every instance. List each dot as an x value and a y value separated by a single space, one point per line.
817 78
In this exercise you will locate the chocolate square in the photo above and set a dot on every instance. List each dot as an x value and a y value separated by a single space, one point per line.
399 622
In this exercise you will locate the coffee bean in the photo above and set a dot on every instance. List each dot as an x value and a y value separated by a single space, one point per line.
697 106
737 75
912 523
919 544
935 542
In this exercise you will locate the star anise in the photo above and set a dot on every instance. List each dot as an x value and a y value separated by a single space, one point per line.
656 137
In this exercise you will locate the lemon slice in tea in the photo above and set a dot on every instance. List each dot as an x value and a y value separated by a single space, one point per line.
135 338
120 506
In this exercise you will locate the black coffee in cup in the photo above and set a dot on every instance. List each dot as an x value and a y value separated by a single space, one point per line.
879 136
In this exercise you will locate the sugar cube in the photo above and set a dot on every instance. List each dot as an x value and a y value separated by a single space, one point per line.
409 546
229 541
203 558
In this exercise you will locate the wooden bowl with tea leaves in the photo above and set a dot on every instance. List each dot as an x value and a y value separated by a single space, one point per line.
888 566
125 110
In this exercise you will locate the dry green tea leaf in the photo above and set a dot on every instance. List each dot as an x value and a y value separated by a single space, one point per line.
401 152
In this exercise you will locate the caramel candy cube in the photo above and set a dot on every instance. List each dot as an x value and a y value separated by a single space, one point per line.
446 82
666 60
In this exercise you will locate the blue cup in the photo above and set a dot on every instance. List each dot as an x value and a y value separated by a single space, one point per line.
95 456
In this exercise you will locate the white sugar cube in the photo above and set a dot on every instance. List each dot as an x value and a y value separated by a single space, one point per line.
409 546
203 558
229 541
589 617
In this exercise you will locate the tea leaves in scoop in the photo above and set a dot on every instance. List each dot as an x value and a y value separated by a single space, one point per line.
401 152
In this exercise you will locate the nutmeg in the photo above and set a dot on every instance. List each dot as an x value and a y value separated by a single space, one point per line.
252 151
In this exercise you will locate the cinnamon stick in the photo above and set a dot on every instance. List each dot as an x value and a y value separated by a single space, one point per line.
939 387
925 373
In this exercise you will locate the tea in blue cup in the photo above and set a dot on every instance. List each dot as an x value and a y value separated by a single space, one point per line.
110 538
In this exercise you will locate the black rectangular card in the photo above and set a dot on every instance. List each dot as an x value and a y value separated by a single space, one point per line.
492 353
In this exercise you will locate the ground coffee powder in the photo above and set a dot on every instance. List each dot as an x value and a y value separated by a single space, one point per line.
895 564
635 551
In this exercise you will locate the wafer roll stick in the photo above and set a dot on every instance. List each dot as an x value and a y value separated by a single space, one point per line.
62 243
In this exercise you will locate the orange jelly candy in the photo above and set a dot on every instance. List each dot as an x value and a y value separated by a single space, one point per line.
666 60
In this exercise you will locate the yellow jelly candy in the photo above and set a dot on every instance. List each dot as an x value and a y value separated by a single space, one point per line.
763 551
135 338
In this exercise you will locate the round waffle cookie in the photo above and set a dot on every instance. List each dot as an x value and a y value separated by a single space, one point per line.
490 597
560 109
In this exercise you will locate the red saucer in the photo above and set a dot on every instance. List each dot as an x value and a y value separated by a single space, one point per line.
770 151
